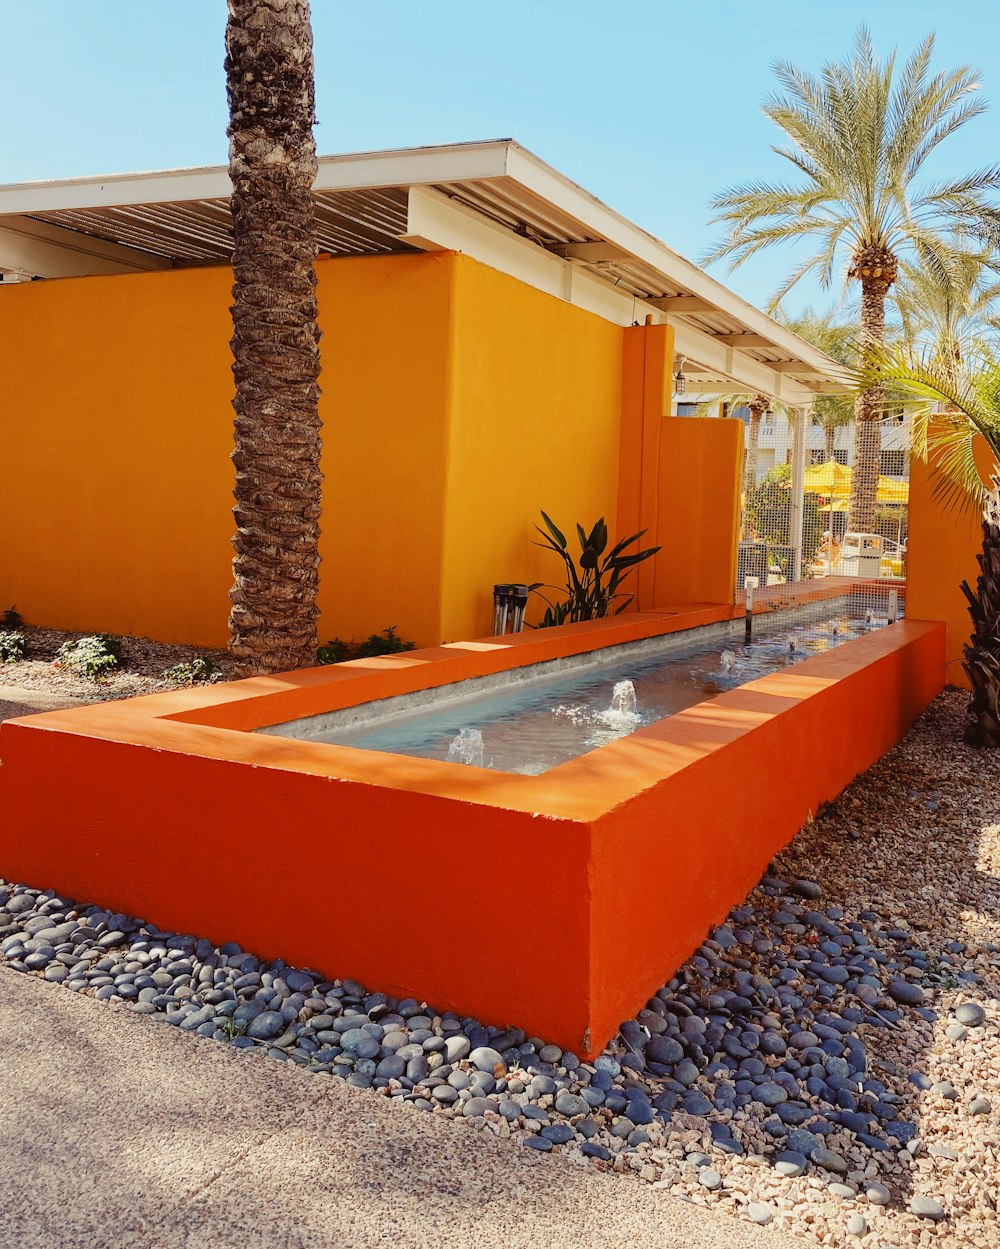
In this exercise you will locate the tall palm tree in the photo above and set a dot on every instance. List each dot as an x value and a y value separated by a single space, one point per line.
859 134
838 338
953 403
758 405
275 344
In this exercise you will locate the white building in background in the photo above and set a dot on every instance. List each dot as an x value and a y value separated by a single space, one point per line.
775 440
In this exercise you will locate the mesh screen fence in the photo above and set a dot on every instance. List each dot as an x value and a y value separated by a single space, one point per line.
824 514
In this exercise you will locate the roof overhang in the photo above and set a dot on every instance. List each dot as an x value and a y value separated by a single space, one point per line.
494 201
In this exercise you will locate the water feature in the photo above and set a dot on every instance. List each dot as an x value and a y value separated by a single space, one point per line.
538 721
468 747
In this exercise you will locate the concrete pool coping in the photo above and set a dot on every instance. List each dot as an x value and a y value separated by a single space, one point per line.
168 806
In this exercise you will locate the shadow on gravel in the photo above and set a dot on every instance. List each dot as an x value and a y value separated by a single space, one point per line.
807 1020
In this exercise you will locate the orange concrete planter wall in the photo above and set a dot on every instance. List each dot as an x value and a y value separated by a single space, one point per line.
168 807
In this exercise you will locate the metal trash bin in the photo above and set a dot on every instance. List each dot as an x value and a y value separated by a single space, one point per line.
509 603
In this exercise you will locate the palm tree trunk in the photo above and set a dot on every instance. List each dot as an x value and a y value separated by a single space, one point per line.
875 267
275 344
981 657
758 406
829 440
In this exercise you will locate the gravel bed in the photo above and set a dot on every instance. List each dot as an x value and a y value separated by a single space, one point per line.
140 669
827 1062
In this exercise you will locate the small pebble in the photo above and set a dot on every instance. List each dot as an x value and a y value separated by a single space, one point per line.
927 1208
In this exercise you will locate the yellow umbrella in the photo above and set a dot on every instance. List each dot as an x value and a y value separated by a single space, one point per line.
833 480
892 490
828 478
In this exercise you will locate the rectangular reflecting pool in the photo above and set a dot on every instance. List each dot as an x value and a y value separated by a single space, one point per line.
529 721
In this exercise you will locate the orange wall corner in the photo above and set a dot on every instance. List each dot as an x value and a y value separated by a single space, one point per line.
646 388
699 510
942 548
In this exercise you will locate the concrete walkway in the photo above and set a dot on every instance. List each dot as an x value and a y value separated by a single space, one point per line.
119 1131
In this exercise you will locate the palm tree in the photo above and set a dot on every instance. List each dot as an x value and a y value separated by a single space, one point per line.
859 134
275 344
758 405
951 310
839 340
954 401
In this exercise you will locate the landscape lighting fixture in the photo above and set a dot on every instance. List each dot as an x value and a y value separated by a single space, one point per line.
680 381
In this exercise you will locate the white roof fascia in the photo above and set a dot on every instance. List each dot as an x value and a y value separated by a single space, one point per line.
455 164
354 171
610 225
437 223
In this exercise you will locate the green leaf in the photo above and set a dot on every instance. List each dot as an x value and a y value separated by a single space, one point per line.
637 557
556 533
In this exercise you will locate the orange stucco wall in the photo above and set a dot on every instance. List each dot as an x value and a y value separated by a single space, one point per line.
942 547
456 403
699 510
647 358
640 846
115 432
386 326
536 392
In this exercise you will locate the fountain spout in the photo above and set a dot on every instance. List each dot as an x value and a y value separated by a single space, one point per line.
728 660
467 747
623 701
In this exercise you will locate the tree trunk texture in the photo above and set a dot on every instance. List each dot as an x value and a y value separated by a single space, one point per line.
758 406
981 657
875 268
829 440
275 344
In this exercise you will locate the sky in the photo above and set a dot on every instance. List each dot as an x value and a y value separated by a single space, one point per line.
653 107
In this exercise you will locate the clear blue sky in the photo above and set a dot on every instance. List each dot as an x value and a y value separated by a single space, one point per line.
654 107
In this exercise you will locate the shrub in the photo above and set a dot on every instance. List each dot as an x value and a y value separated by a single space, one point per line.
192 671
12 647
768 508
385 643
12 618
592 589
94 657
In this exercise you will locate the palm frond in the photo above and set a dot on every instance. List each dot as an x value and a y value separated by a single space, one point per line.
949 409
857 134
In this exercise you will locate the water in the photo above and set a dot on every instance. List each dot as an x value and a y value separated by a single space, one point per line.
538 724
468 747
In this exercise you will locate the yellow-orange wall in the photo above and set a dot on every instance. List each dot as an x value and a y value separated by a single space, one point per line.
942 546
535 409
115 433
386 326
456 403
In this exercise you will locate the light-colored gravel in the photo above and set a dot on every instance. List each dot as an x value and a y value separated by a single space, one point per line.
916 841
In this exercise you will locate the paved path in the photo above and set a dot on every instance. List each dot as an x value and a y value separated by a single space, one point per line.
18 700
117 1132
